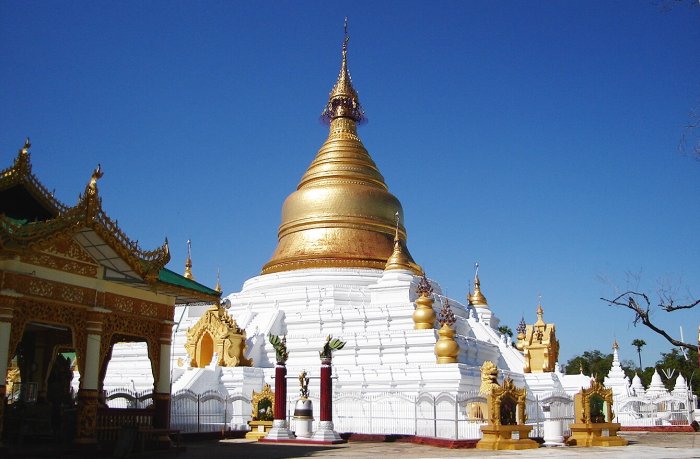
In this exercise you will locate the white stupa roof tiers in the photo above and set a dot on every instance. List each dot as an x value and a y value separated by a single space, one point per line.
656 388
616 378
680 388
637 387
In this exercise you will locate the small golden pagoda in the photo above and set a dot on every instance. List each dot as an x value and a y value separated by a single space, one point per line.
593 417
538 344
505 405
477 299
342 213
398 259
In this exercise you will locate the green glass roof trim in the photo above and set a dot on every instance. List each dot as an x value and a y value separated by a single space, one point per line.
170 277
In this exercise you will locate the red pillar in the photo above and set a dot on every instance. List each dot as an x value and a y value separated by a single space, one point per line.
326 390
280 392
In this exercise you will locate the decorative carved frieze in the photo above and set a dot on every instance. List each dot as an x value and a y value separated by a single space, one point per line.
136 306
59 263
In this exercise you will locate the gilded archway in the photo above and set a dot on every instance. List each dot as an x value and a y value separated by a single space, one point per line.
228 341
205 349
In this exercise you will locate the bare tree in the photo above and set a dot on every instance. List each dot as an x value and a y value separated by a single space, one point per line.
639 303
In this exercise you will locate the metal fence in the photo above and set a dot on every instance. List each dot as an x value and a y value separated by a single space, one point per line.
457 416
663 411
126 398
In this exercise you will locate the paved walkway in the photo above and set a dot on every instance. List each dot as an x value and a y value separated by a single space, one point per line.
642 446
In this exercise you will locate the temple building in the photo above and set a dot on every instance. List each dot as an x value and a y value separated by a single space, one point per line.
72 285
342 267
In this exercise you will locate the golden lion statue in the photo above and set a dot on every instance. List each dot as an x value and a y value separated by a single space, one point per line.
489 377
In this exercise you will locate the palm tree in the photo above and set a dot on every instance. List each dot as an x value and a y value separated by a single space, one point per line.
639 344
505 330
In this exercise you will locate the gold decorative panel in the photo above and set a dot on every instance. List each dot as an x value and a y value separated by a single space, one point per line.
228 340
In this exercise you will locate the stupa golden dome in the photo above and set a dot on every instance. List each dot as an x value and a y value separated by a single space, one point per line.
342 214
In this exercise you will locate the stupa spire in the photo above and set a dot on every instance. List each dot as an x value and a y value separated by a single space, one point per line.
343 101
477 299
398 260
342 213
188 263
218 281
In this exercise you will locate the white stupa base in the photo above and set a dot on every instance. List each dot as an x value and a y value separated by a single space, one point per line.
279 431
325 433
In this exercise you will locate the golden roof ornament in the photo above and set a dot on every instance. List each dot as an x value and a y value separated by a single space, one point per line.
424 315
25 149
343 100
188 263
217 287
477 299
615 345
540 313
446 315
446 348
96 175
342 213
398 260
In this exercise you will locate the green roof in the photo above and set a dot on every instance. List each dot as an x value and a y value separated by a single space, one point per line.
172 278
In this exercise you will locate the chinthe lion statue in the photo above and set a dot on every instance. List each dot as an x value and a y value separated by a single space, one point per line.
489 377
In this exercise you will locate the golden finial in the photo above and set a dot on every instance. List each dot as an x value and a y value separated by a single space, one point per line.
218 281
347 37
25 149
188 263
615 345
540 312
396 228
96 175
398 259
343 101
477 299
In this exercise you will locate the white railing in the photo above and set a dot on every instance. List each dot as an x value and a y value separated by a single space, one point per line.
645 412
457 416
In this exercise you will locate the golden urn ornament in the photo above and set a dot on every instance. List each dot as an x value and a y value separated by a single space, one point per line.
424 315
446 348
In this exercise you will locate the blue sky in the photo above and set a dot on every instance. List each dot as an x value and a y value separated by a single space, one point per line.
538 138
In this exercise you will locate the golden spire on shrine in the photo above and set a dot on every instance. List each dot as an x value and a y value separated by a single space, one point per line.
342 214
477 299
188 263
217 287
540 313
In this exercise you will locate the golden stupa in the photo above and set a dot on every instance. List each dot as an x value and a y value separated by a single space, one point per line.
342 214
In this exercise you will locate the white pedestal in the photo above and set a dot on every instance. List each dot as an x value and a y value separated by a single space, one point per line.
279 431
325 432
302 427
553 433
